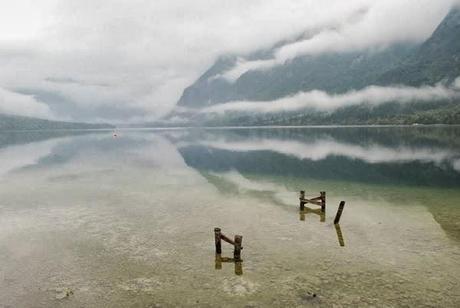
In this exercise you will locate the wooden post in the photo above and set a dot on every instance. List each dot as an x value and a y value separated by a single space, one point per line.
217 238
339 212
238 247
323 201
302 203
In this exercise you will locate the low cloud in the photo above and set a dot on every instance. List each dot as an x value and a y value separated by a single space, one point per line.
242 66
322 101
127 61
384 23
23 105
144 53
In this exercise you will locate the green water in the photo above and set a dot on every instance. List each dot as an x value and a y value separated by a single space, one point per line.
92 220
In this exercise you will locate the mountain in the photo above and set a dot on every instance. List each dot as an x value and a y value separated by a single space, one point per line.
435 60
11 122
334 72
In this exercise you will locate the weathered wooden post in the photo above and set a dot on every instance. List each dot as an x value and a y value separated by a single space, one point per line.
339 212
323 201
217 238
302 197
238 247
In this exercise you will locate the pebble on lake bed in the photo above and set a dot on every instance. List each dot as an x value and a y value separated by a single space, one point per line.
308 296
62 293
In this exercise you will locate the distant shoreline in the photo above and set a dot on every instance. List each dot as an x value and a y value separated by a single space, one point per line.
227 127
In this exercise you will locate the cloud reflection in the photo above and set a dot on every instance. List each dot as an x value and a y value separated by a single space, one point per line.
319 150
19 156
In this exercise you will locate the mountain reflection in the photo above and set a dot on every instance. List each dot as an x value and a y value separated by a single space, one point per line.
379 155
271 165
19 156
320 150
20 149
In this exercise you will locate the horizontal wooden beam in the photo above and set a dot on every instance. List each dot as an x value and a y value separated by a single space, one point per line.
312 201
226 239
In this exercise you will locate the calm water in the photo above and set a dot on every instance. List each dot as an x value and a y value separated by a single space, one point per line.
88 219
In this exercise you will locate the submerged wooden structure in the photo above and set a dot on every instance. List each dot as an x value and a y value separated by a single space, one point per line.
307 210
320 201
237 243
238 264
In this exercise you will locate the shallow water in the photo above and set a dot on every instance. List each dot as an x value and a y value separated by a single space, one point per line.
88 219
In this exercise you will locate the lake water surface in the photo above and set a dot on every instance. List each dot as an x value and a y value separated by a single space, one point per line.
88 219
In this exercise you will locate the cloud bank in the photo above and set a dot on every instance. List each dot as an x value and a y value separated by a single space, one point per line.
126 61
322 101
25 105
361 32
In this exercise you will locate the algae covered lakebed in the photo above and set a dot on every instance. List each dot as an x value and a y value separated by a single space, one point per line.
92 220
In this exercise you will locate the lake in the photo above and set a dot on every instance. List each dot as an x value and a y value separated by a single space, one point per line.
91 219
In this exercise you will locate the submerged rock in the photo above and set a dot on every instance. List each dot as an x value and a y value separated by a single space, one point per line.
62 293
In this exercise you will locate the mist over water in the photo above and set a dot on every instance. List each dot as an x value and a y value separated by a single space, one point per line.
128 220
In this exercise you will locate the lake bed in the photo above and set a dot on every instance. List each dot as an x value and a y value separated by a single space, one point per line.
89 219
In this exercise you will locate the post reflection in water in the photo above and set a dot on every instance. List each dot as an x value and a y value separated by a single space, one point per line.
339 235
322 218
319 212
238 264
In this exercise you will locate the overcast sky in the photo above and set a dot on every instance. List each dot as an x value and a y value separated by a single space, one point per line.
114 60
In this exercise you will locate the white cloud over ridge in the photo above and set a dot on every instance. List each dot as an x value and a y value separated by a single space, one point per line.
367 32
322 101
23 105
123 60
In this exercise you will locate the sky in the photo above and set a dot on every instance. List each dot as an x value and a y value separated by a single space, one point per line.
129 61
